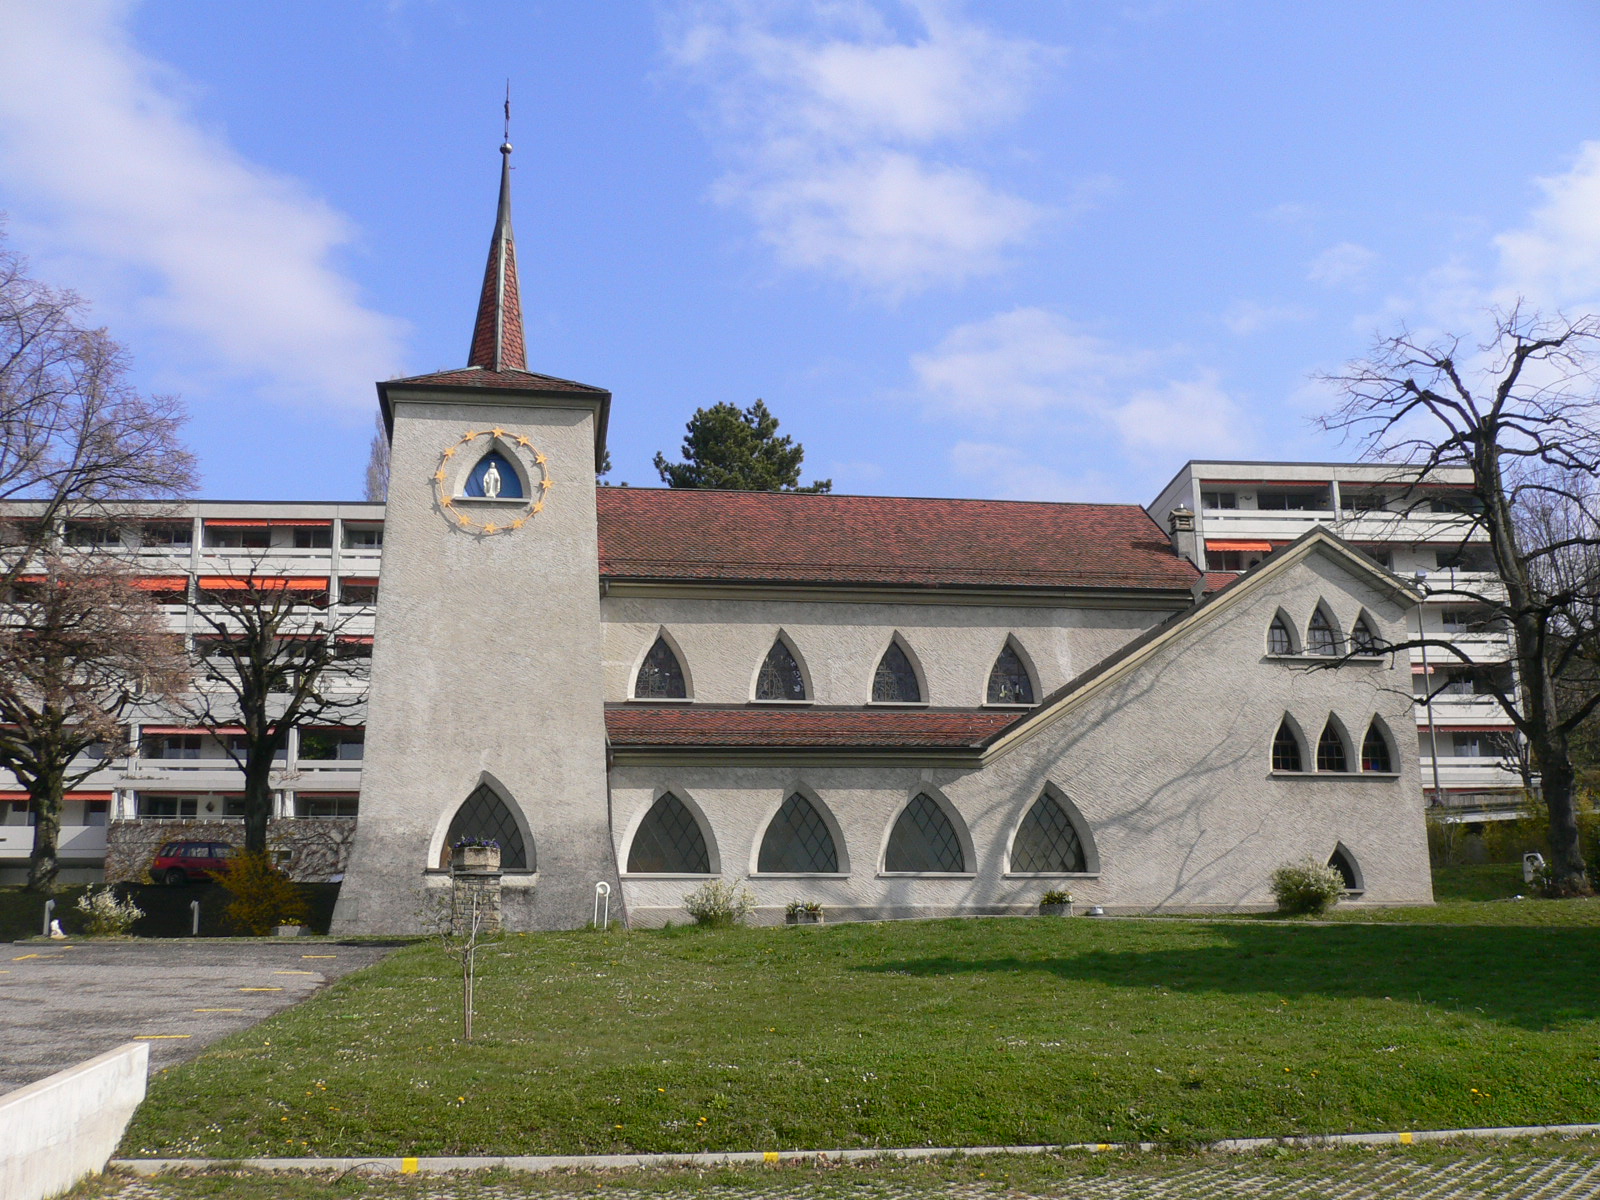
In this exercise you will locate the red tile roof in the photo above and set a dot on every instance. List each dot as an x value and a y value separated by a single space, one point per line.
658 533
479 377
1217 580
497 342
858 727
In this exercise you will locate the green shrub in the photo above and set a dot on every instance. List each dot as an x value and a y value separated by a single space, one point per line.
1056 896
104 915
1307 887
263 896
718 903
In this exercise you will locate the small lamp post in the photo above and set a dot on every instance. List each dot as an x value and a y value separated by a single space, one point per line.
1427 690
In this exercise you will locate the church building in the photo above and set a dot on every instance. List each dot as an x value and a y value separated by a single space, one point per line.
896 707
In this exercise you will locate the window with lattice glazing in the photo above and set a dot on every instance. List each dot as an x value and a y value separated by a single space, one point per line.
923 839
660 675
1286 750
483 814
798 841
780 677
1278 639
1009 682
1362 639
1320 637
1047 843
669 841
1330 750
894 682
1375 751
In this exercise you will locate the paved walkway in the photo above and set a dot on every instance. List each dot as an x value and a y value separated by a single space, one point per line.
68 1001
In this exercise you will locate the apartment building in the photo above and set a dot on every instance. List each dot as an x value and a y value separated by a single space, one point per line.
1244 510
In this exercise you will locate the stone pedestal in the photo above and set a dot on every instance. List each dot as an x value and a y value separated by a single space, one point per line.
475 888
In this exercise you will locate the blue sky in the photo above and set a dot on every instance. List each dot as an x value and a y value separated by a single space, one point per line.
1021 248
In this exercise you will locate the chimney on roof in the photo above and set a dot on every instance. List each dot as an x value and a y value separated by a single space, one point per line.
1185 542
497 343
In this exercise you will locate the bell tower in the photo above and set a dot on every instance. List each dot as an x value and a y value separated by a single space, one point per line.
486 715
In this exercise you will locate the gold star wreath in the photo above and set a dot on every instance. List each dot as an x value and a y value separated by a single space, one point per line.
540 486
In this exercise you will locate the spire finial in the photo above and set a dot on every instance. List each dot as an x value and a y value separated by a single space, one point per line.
497 341
505 142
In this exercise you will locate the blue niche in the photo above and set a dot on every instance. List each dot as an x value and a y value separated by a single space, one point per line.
506 484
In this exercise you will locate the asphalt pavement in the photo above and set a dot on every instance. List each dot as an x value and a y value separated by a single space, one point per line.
63 1002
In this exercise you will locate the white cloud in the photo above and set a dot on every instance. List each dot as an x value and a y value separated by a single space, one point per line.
1555 259
1007 473
842 131
1344 265
108 164
1247 317
1187 418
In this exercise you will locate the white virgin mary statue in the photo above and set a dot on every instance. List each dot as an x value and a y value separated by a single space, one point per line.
491 481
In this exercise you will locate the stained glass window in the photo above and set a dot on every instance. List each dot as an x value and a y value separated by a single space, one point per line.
1320 637
1047 843
669 841
1340 862
895 682
780 677
1330 750
483 814
1286 749
923 839
660 675
798 841
1362 639
1278 639
1009 682
505 484
1375 751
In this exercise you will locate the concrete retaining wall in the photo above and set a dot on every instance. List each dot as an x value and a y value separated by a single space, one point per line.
56 1131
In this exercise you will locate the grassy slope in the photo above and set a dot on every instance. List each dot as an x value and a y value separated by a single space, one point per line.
951 1032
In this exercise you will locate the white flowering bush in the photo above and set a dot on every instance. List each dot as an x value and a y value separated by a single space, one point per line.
106 916
720 903
1306 888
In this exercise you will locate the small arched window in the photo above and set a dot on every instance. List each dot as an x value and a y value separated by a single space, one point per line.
923 839
494 477
1331 755
1047 843
1009 681
780 677
660 675
1340 862
484 815
1362 638
798 841
1320 637
1375 754
669 841
1278 639
1286 749
895 681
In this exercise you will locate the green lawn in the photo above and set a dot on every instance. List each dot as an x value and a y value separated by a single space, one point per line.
942 1033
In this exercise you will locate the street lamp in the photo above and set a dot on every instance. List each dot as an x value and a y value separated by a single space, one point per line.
1427 689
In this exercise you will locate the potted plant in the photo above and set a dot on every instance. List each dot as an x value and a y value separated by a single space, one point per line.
1057 902
802 912
476 855
290 930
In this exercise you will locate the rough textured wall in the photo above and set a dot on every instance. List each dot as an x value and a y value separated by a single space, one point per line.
318 849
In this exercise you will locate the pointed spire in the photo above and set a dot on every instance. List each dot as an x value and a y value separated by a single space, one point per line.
497 343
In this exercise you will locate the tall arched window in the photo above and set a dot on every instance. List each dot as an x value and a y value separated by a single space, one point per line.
1009 681
1286 749
1375 754
1331 754
895 681
660 675
494 477
1047 842
483 814
669 841
798 841
780 677
1362 638
1278 639
923 839
1320 637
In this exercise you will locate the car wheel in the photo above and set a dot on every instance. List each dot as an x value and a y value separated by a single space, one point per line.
175 877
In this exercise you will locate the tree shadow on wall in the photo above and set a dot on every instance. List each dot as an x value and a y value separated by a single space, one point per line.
1534 979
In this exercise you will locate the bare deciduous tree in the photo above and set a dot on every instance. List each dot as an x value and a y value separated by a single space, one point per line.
378 463
1521 412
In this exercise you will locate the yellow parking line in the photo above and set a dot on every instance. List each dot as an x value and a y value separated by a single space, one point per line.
319 956
294 972
20 957
219 1010
261 989
159 1037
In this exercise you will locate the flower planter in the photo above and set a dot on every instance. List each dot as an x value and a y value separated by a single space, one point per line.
803 918
290 930
476 860
1055 910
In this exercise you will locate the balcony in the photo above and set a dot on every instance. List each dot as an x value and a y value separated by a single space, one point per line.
1478 648
1456 709
1468 771
1286 524
77 841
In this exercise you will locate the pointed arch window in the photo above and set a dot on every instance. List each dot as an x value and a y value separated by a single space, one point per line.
780 677
1375 754
495 478
483 814
1278 639
798 841
895 680
1286 749
669 841
924 839
1320 637
1363 640
1009 681
1331 755
660 675
1340 862
1047 842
